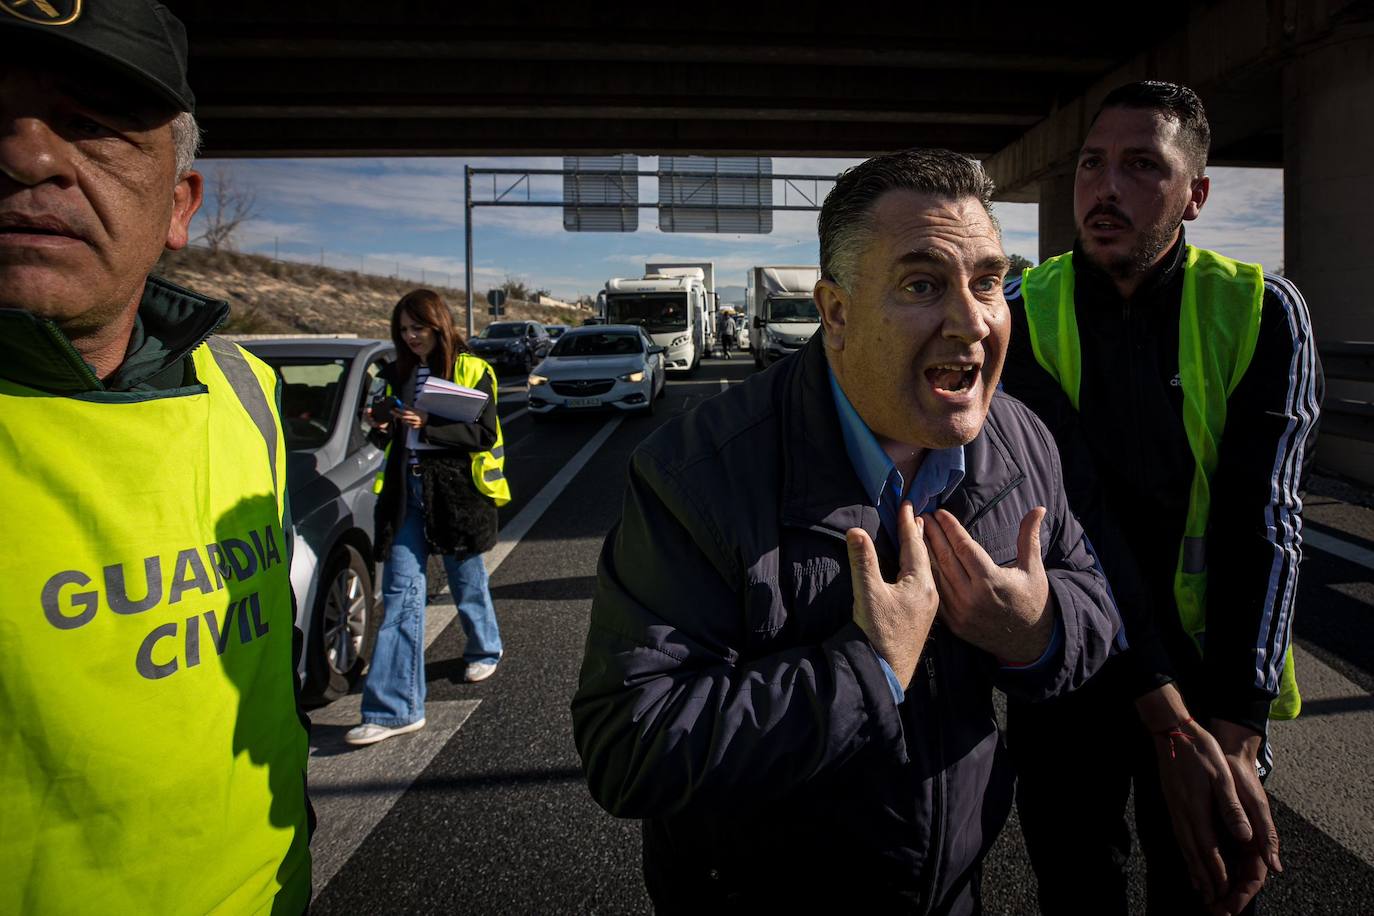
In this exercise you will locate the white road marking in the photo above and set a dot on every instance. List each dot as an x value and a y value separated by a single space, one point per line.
1339 548
724 384
438 616
1324 760
515 416
519 526
352 788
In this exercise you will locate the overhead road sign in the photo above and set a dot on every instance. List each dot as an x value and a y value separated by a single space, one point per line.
601 193
740 192
701 194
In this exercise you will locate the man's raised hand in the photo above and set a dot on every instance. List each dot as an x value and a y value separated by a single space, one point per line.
895 616
1003 611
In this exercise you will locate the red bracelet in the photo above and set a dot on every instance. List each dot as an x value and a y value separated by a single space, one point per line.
1172 729
1175 731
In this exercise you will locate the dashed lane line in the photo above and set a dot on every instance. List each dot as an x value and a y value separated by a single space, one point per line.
1337 547
1324 759
439 616
344 780
515 416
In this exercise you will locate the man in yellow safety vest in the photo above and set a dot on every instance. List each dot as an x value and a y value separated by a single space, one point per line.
1183 389
154 757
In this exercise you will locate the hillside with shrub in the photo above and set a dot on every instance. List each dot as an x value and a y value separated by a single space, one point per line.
267 296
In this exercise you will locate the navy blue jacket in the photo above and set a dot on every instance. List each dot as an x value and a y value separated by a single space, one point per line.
728 698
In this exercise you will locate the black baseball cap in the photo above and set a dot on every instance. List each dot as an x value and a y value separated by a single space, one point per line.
139 38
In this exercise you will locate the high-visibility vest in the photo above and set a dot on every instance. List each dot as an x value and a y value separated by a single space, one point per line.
153 760
489 467
1219 323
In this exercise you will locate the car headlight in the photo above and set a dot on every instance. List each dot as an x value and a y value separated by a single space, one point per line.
632 376
537 380
679 341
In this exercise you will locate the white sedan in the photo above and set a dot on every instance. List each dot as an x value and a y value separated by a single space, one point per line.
598 366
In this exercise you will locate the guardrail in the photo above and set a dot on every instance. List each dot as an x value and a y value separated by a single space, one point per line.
1348 360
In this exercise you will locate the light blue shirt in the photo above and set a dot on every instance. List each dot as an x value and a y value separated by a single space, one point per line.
941 471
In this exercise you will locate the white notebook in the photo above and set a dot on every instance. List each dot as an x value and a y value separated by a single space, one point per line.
450 401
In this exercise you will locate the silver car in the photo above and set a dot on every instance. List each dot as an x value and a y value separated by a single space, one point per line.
326 386
614 366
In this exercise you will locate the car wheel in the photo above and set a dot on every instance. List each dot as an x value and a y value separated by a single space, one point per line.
344 627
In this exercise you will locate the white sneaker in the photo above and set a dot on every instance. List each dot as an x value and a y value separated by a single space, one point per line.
370 733
478 671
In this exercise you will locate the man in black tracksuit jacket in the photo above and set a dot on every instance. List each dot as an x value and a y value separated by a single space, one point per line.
1128 470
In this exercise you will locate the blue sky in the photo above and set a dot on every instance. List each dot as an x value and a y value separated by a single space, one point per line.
385 215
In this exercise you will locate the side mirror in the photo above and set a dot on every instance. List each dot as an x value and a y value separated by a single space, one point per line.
758 321
657 349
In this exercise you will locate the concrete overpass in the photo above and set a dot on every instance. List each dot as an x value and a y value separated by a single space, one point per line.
1287 83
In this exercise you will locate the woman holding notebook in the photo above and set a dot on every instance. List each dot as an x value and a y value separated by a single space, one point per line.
442 481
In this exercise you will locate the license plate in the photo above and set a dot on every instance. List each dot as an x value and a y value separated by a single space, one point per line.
584 402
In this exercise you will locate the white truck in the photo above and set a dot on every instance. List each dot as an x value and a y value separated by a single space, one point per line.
710 305
782 312
670 307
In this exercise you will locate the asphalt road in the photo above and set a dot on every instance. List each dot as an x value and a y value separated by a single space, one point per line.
485 808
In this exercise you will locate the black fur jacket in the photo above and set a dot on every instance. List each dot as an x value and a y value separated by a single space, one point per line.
458 519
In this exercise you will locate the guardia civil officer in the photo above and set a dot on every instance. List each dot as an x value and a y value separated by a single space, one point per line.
153 760
1182 388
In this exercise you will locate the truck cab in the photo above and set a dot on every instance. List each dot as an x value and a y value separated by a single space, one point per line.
784 311
671 309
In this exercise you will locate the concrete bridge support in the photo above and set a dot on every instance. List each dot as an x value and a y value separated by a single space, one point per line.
1328 137
1057 225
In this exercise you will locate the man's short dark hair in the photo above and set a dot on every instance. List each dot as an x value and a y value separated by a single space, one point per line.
1176 102
847 212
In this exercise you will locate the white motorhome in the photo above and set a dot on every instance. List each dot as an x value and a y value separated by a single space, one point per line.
710 305
784 314
672 309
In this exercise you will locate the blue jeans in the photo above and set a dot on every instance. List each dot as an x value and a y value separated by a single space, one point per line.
394 693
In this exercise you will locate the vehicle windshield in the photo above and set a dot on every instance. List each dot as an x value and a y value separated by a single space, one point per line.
794 309
605 344
311 392
657 313
555 330
502 331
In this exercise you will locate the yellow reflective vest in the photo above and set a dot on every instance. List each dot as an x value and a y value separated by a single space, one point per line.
489 467
1219 321
153 760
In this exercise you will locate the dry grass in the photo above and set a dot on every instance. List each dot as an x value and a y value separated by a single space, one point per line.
284 297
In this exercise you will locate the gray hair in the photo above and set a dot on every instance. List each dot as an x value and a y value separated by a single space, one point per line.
846 216
186 140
